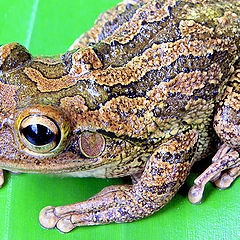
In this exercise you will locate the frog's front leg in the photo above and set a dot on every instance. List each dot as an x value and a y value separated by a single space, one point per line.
164 173
227 126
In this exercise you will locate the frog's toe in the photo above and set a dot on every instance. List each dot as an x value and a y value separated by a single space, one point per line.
48 218
65 224
195 194
226 179
1 178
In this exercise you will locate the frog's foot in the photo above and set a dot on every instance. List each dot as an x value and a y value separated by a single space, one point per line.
227 178
165 171
1 178
225 158
112 204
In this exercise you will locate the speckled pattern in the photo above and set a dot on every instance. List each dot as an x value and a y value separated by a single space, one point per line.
147 79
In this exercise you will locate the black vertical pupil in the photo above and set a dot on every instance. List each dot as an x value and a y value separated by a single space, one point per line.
38 134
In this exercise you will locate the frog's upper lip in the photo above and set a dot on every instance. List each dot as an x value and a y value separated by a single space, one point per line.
62 163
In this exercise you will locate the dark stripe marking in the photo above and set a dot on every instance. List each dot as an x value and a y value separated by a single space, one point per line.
113 24
117 54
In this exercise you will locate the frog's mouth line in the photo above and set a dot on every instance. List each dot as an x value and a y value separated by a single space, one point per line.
97 171
51 166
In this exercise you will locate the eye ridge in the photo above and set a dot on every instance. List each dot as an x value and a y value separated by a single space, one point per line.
38 134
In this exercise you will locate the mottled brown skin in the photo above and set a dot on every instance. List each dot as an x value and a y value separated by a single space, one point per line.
139 94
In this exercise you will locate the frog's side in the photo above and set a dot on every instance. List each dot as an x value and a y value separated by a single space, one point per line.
138 98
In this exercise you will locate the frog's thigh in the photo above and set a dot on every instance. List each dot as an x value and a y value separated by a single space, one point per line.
227 125
227 119
164 173
1 178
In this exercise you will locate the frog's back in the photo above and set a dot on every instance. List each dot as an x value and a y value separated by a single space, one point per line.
163 64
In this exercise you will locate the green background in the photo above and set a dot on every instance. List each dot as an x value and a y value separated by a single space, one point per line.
50 27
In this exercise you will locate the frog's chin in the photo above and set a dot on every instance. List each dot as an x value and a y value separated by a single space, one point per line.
98 172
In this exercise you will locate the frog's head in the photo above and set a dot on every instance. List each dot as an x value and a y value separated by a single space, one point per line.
53 119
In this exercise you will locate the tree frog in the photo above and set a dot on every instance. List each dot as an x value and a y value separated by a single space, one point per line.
149 90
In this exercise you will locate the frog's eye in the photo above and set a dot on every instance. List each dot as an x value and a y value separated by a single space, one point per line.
91 144
40 133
